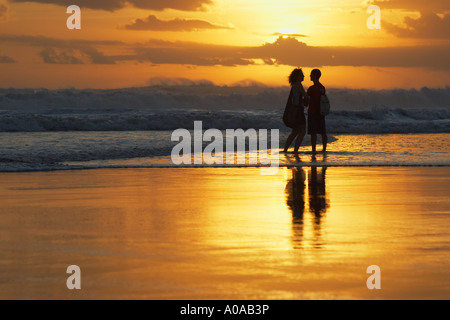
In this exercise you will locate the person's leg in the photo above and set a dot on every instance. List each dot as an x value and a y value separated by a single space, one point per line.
323 132
324 141
312 130
290 139
313 142
300 137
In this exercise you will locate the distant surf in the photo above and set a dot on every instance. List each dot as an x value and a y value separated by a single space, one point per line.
354 111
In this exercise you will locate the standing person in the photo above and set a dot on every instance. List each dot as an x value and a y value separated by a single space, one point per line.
297 99
316 122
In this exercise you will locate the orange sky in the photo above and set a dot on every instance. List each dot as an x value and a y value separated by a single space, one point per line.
123 44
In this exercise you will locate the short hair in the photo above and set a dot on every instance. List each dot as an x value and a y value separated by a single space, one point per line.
317 73
295 74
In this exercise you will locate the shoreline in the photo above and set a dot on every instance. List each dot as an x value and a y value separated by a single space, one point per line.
361 166
87 151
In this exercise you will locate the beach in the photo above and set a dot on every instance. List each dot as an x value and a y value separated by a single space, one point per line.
226 233
145 152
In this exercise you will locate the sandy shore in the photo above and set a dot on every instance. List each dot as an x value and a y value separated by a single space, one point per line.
307 233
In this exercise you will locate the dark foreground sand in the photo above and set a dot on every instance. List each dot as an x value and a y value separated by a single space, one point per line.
226 233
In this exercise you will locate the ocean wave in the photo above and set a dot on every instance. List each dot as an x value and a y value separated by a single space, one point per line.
377 120
169 107
211 97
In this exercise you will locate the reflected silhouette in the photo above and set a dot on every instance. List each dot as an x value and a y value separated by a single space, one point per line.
295 200
318 203
295 191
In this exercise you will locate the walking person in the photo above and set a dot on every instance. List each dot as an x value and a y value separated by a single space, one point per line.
294 116
316 121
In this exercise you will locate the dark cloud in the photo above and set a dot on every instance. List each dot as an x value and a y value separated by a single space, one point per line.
284 51
97 57
433 23
429 25
155 24
436 6
86 55
43 41
165 81
290 51
6 59
62 51
56 56
164 52
293 52
111 5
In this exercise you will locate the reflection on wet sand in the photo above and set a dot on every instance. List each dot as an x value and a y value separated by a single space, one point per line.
318 203
226 234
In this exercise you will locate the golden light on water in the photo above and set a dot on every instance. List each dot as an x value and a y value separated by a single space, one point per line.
226 233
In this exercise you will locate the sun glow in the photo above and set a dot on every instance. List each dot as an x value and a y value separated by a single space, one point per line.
287 32
225 43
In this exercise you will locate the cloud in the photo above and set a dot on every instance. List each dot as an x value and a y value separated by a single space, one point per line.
112 5
3 13
85 55
429 25
284 51
43 41
62 51
55 56
436 6
164 81
433 23
295 53
290 51
6 59
190 53
153 23
249 83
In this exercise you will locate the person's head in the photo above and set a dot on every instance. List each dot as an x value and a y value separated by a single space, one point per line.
315 75
296 75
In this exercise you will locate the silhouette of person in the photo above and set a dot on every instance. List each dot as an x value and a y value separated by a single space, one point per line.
299 100
316 122
318 203
295 200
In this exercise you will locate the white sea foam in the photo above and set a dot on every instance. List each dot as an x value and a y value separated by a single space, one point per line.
172 107
38 151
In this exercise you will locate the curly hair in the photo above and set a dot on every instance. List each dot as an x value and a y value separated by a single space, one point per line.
295 74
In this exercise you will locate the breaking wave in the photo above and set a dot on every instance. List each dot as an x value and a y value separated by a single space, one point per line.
165 107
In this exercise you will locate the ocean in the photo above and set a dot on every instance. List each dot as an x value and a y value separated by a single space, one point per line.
64 129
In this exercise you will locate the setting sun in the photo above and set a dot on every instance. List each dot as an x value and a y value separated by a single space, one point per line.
127 45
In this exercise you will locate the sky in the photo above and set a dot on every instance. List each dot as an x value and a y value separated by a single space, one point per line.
226 42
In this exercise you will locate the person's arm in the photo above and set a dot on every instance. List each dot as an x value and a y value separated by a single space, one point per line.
306 98
300 96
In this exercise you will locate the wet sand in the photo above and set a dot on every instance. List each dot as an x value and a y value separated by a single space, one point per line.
230 233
